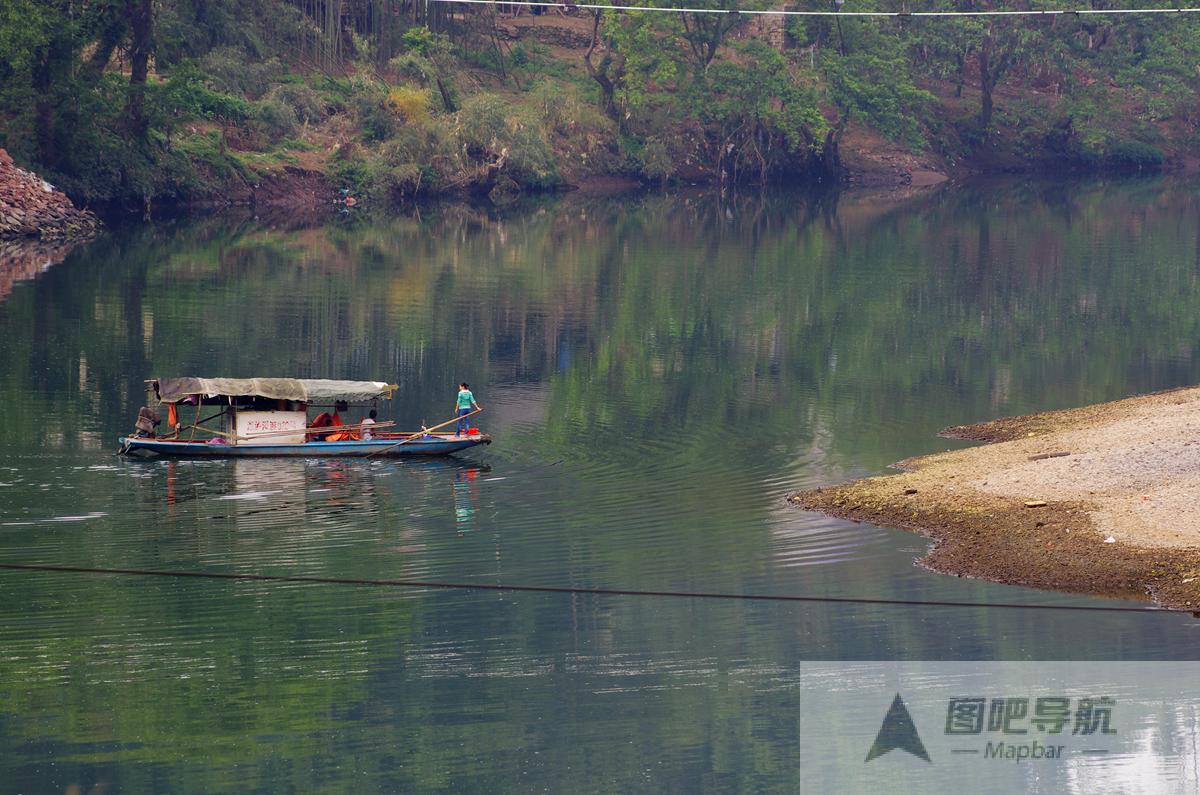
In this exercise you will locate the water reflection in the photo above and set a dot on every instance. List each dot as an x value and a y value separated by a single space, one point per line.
658 373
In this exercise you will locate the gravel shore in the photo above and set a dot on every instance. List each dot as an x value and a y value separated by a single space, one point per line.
1103 499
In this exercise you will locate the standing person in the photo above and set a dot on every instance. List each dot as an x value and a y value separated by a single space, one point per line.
463 406
147 421
367 425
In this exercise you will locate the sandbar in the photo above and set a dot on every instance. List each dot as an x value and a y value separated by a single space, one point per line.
1102 500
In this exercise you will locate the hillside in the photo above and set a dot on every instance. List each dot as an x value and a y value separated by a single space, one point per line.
269 101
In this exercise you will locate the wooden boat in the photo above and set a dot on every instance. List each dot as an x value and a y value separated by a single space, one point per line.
269 417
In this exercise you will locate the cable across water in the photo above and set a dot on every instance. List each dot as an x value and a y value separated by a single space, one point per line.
564 589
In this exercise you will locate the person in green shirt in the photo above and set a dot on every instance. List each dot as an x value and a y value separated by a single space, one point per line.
463 406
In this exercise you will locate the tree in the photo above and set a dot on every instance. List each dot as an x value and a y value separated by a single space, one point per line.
608 72
997 46
706 33
765 120
140 14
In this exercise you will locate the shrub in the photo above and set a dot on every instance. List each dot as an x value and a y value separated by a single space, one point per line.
185 96
231 70
369 102
275 117
657 163
1133 156
307 105
409 103
357 174
489 130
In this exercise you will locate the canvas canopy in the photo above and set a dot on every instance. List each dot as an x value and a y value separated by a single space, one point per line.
171 390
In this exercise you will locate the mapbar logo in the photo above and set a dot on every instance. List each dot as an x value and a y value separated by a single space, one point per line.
897 731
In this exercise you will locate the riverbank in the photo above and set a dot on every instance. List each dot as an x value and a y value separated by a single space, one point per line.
1098 500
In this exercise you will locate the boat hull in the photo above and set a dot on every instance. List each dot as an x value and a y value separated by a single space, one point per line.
379 448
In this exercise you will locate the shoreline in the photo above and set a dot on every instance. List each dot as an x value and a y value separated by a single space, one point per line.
1096 500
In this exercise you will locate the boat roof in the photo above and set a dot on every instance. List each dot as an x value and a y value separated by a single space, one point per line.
171 390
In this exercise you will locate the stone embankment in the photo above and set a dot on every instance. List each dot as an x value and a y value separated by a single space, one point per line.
31 207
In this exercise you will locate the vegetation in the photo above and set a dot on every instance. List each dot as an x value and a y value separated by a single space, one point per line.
134 101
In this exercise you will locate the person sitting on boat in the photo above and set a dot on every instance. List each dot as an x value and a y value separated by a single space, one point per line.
336 419
326 420
463 407
366 425
147 421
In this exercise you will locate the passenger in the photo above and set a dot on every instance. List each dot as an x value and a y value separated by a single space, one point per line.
463 407
367 435
147 421
323 420
335 420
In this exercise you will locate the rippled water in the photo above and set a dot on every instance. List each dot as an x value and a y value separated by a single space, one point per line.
658 372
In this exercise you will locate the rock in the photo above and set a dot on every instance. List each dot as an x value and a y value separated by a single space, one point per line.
32 207
1043 456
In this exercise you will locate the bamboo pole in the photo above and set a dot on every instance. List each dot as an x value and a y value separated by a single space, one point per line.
307 430
424 431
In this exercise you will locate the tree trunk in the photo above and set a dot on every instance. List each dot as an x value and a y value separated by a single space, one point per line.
831 158
987 82
43 107
140 13
600 73
93 68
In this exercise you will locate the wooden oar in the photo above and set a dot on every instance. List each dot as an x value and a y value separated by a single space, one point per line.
424 431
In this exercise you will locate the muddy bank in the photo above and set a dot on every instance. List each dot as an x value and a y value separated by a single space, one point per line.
32 207
1097 500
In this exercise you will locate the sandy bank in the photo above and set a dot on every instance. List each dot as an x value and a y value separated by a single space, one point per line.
1103 499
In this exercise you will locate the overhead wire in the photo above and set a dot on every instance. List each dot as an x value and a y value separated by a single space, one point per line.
566 589
1049 12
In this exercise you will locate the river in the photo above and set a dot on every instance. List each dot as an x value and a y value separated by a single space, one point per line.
658 372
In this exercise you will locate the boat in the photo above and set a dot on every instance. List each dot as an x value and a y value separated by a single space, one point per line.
269 417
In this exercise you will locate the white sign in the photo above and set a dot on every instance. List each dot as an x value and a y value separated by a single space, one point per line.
271 427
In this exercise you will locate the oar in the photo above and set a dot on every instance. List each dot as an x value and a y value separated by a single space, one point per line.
424 431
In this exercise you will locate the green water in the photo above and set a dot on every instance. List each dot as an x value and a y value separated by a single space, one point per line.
658 372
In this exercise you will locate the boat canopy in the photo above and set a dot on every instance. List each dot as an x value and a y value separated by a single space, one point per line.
172 390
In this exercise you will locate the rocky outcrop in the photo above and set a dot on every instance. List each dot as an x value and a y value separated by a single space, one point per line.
31 207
